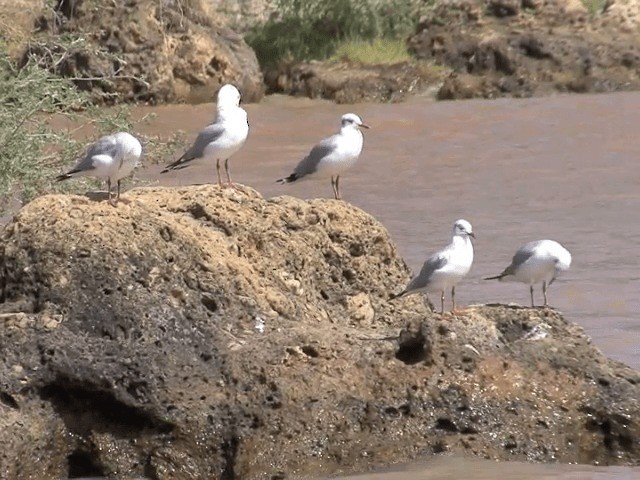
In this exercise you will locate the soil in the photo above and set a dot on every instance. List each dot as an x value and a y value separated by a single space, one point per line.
158 52
528 47
499 48
199 332
348 82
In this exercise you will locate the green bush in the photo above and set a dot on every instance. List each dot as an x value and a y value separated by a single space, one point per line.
31 151
313 29
41 115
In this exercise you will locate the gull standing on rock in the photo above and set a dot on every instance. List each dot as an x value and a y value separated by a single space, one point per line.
444 269
221 139
333 155
111 158
535 262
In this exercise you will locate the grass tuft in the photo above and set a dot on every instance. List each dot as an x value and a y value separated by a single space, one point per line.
314 29
374 52
594 7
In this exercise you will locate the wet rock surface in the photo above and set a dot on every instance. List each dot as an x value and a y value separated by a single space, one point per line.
156 52
346 82
524 48
198 332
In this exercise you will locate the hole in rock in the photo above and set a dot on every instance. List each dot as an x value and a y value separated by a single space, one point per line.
8 400
310 351
82 465
412 350
209 303
349 275
446 424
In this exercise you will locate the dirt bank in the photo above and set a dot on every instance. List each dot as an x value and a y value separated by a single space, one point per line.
524 48
474 48
155 52
205 333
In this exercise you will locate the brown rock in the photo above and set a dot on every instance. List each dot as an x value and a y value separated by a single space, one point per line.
201 332
553 46
158 51
346 82
503 8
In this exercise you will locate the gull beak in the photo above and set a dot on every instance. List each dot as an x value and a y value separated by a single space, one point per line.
472 235
364 125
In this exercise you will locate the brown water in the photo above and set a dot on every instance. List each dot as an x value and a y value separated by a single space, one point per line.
565 168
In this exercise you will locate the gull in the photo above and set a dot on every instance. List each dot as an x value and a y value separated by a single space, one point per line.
535 262
221 139
444 269
112 157
333 155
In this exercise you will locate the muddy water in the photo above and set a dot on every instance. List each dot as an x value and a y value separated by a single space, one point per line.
564 168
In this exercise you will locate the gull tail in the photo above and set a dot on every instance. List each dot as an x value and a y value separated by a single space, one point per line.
177 165
398 295
291 178
64 176
497 277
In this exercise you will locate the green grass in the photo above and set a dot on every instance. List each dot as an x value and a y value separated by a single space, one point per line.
314 29
373 52
594 7
41 115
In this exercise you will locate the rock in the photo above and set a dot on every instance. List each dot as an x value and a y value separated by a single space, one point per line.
503 8
244 14
159 52
200 332
551 46
625 14
346 82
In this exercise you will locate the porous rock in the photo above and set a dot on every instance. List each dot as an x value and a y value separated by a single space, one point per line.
200 332
501 48
145 51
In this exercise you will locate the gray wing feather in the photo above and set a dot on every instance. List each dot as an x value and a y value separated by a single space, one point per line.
432 264
523 254
309 164
104 146
210 134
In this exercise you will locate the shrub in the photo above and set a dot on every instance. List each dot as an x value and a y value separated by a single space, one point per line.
312 29
40 118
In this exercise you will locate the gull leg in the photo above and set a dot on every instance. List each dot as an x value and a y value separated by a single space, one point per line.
544 292
337 187
226 169
218 170
333 185
453 298
442 302
531 293
111 201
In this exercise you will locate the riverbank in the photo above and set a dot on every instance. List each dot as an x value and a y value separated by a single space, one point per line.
458 49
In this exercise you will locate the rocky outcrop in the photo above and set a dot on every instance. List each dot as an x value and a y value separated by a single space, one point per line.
242 15
146 51
347 82
526 47
201 332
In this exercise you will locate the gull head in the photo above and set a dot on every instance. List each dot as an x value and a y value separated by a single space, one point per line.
352 120
228 96
563 258
462 228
